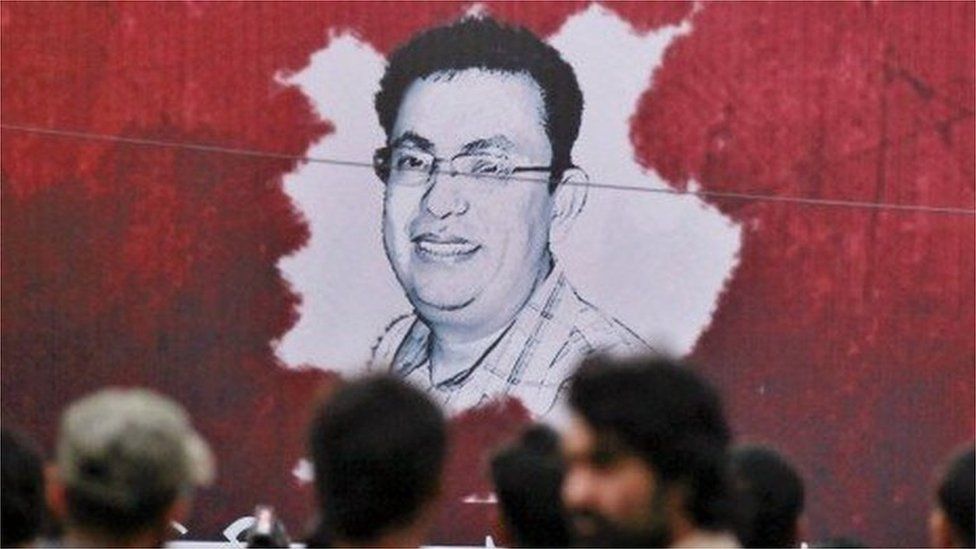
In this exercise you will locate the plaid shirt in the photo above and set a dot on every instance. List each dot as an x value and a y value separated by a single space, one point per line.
531 360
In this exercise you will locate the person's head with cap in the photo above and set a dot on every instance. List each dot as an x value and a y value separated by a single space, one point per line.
128 461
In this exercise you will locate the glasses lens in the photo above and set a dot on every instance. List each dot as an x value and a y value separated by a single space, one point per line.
492 168
410 166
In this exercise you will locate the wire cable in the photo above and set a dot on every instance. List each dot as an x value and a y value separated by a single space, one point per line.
807 201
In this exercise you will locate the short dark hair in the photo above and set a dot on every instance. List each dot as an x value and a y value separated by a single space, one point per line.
528 477
118 521
769 497
669 417
484 43
956 495
22 490
378 448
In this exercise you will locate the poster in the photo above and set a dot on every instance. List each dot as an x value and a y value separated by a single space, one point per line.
782 193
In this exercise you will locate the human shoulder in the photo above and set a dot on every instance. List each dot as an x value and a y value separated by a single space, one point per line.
565 330
385 348
604 333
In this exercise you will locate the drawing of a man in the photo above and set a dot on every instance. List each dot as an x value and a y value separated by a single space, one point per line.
480 120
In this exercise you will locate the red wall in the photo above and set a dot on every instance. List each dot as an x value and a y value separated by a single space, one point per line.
846 336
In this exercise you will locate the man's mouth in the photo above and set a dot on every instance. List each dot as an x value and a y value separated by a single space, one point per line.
444 248
586 524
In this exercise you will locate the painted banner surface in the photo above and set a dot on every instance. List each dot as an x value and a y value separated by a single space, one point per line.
202 198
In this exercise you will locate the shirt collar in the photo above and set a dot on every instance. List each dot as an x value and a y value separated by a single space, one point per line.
488 371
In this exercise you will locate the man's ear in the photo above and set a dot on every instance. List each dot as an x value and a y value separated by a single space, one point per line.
501 529
568 201
801 529
178 511
54 493
940 532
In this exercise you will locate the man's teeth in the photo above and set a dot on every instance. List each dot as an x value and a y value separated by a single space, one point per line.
446 249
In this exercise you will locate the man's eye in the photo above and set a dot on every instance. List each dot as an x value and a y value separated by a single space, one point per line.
485 166
407 161
602 459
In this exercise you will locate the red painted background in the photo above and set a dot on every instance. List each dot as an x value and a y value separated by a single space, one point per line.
846 337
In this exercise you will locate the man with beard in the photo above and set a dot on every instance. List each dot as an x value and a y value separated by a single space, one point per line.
646 456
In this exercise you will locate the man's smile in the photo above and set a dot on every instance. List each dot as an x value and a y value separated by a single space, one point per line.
444 248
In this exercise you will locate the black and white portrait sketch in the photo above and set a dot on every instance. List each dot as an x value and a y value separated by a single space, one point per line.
461 261
466 107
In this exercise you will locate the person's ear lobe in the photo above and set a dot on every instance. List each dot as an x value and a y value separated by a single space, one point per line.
179 510
54 493
801 529
569 199
940 533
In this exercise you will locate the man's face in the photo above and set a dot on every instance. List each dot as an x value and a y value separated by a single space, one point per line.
468 251
610 493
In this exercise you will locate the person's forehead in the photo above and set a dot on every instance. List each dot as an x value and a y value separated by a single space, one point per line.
578 437
453 110
583 441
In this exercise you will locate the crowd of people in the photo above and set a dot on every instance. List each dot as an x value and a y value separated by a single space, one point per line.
646 460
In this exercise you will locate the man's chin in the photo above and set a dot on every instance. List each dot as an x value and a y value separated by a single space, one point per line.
605 534
445 304
619 538
441 299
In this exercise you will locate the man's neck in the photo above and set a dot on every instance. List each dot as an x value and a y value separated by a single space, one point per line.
409 537
449 358
686 534
454 352
76 537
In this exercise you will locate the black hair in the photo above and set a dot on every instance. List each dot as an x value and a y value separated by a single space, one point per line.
377 448
528 477
22 491
119 520
769 497
483 43
669 417
956 495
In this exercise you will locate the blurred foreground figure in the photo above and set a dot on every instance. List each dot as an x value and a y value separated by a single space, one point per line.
769 498
378 448
646 457
528 477
22 491
951 523
128 461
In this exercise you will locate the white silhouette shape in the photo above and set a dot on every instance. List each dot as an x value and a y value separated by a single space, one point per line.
656 262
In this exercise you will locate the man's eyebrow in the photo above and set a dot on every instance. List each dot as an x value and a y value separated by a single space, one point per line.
608 448
410 138
494 142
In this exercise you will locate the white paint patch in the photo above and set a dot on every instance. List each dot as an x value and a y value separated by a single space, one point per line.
348 291
656 262
303 471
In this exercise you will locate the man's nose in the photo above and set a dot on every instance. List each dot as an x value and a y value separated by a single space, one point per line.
445 196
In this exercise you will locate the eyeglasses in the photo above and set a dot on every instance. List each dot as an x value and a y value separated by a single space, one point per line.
413 167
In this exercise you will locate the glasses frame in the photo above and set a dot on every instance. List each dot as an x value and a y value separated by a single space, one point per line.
382 167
